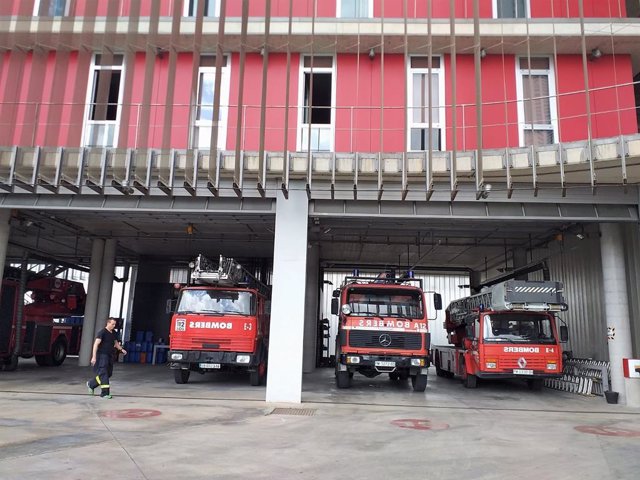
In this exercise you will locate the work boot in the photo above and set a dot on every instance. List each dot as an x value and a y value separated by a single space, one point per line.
90 390
107 396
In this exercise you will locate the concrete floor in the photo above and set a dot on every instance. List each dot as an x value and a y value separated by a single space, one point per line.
217 426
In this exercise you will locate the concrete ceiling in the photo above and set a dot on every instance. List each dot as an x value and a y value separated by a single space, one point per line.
446 243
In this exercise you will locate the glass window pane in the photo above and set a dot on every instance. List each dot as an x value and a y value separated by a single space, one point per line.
205 96
420 140
106 89
511 9
538 137
421 98
423 62
537 106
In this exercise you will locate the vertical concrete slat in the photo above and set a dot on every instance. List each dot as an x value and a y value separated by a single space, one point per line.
106 282
312 295
284 381
91 304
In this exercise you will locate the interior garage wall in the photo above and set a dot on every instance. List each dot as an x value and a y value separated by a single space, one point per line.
578 265
632 254
149 304
446 284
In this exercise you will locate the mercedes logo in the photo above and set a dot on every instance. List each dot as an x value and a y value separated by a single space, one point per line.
522 362
385 339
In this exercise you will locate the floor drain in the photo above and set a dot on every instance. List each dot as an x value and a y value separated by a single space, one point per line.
307 412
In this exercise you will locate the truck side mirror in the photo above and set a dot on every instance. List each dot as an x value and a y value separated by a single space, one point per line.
334 306
171 306
437 301
564 334
335 293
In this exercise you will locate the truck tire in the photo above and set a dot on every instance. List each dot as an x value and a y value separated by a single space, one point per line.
468 380
181 376
256 377
43 360
419 382
343 380
10 363
58 352
535 384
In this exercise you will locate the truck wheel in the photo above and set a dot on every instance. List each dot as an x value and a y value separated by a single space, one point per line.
58 352
256 377
181 376
343 380
43 360
470 381
11 363
419 382
535 384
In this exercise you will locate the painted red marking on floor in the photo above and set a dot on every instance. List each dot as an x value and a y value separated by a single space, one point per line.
419 424
130 413
608 431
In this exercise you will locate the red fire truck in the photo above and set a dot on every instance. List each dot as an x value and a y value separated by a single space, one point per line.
508 331
382 328
49 326
220 323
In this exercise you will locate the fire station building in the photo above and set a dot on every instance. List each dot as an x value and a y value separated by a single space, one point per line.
469 138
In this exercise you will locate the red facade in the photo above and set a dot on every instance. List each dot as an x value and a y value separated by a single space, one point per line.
44 94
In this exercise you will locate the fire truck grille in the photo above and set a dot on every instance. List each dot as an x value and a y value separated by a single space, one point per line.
398 340
531 363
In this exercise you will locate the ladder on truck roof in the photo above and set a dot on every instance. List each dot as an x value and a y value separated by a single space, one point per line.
227 273
519 295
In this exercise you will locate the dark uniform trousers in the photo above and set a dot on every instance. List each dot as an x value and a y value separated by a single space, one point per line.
103 370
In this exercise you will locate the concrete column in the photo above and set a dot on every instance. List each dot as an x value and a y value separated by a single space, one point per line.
91 305
617 312
106 283
311 309
284 378
5 216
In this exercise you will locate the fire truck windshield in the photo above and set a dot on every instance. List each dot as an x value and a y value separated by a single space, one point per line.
221 302
385 302
518 328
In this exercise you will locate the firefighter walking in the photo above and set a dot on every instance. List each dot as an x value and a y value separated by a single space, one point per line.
102 358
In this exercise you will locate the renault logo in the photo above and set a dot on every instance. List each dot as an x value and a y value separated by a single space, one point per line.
385 339
522 362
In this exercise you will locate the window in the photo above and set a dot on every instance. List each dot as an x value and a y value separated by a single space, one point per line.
517 328
511 9
355 9
389 303
419 128
317 104
51 8
104 101
536 101
203 122
211 8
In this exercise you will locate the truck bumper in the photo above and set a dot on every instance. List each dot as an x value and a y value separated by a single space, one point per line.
490 375
382 363
204 361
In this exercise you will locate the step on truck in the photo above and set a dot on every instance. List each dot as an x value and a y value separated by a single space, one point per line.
510 330
220 322
46 321
382 329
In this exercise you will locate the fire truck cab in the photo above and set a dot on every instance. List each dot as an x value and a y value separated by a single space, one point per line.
220 323
382 328
508 331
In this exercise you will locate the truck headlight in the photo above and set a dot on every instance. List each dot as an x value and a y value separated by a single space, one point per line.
490 365
176 356
351 359
552 366
243 358
417 362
